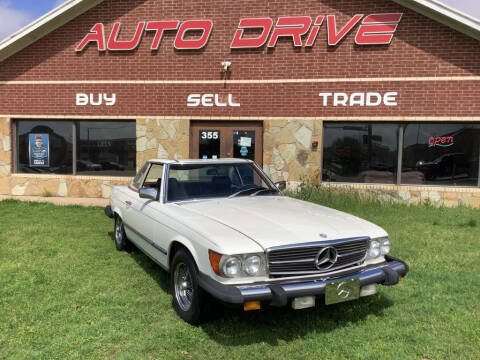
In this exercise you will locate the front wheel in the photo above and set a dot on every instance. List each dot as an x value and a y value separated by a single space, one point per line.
121 241
189 300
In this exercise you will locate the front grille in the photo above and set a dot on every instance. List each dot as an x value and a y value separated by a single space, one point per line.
300 259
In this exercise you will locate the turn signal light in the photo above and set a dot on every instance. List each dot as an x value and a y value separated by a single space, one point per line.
251 305
399 278
215 261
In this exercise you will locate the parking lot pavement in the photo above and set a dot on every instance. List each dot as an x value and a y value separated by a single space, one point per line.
60 200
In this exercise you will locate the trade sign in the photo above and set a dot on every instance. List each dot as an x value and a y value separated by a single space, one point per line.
359 99
374 29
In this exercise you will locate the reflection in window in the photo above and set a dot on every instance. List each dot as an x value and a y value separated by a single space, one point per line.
359 152
106 148
441 154
103 148
59 146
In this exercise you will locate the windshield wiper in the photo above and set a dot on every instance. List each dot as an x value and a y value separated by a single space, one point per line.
273 191
247 190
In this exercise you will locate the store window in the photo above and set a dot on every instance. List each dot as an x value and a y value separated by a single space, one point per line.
360 152
102 148
45 147
441 154
106 148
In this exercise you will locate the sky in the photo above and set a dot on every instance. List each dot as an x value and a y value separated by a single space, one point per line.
14 14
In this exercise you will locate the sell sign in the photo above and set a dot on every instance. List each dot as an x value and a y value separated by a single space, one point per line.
39 148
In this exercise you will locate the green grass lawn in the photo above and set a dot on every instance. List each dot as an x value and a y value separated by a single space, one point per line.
66 293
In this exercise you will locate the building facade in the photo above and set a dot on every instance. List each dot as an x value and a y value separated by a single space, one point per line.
378 95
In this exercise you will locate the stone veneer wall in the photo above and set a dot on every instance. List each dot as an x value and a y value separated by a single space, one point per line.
434 195
62 185
287 156
5 149
288 153
162 139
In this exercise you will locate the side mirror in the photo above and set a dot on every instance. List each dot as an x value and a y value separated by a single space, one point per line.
281 185
148 193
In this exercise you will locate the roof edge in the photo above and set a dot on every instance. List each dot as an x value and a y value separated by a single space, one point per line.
445 15
44 25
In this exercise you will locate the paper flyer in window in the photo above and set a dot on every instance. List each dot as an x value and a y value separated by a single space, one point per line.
39 149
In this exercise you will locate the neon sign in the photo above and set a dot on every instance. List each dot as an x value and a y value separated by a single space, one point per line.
441 141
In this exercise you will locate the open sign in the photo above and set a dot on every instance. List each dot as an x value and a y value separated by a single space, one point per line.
442 141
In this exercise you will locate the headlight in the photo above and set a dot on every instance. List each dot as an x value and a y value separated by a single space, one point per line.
385 246
236 266
380 246
252 265
374 250
232 266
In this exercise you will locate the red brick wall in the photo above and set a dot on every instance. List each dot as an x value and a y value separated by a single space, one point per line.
421 47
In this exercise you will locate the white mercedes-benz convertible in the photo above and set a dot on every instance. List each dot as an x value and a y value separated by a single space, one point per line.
223 228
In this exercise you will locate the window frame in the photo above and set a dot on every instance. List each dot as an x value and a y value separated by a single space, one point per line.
400 153
166 173
161 197
147 166
363 122
75 126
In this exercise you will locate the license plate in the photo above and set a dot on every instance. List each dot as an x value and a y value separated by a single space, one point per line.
341 291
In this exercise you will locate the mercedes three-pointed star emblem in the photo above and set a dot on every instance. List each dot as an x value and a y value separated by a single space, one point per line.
326 258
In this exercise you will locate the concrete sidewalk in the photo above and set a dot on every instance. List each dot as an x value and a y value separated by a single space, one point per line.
62 201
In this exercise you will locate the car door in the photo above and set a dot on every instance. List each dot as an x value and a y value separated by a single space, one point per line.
131 196
146 219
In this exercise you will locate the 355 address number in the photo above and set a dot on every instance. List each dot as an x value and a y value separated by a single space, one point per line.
210 135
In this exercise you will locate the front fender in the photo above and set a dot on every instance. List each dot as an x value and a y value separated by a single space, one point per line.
116 208
199 254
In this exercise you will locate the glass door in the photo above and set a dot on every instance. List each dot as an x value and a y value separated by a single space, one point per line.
209 144
227 139
244 144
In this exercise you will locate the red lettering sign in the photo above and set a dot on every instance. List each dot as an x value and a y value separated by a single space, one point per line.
97 34
378 29
116 45
294 27
160 27
375 29
265 24
442 141
205 26
315 30
333 37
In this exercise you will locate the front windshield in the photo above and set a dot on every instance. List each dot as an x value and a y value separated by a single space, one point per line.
197 181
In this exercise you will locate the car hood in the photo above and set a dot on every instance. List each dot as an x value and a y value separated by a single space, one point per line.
278 220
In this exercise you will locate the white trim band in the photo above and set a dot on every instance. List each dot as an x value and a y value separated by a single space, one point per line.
258 81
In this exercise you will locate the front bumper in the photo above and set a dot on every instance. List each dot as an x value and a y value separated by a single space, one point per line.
279 293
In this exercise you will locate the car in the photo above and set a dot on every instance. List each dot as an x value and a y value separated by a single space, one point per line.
448 166
85 165
110 165
226 232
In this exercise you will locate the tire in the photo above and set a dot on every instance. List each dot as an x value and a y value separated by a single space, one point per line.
189 300
121 241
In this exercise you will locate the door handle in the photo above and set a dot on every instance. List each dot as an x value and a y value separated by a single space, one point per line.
129 203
